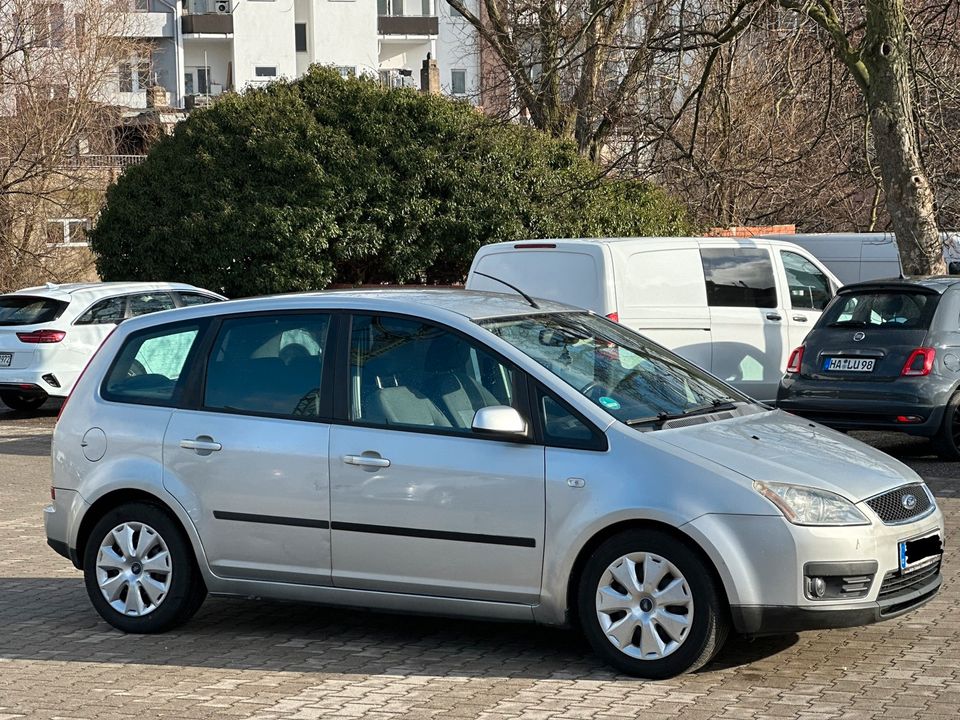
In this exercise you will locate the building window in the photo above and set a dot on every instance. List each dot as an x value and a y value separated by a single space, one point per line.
458 82
390 7
188 83
347 71
67 232
134 76
265 71
48 25
300 37
140 5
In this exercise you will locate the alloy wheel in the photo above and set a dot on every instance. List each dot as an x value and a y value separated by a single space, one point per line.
134 569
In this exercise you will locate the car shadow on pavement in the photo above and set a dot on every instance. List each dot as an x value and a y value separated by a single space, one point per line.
51 619
30 445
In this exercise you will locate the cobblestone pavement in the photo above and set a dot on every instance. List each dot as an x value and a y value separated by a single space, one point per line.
244 659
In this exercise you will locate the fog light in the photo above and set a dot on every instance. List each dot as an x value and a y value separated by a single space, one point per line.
818 587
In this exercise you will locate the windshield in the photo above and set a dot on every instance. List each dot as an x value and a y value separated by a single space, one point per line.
26 310
632 378
881 309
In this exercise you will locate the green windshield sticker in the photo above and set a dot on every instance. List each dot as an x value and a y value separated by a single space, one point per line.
609 403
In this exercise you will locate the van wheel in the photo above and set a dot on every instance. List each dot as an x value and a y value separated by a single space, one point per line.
947 440
140 571
22 401
649 606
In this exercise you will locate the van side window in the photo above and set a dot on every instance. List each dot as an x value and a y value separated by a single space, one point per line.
739 277
809 288
149 368
268 365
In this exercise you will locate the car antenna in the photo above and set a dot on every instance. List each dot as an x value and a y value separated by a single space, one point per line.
522 294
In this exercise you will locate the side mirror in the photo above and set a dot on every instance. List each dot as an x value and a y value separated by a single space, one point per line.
499 420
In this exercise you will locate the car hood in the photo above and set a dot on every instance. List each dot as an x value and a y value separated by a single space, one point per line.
778 447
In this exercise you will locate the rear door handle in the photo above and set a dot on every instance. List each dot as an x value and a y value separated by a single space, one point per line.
774 316
202 444
800 318
366 461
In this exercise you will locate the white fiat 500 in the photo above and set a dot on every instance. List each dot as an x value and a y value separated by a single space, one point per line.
470 454
49 333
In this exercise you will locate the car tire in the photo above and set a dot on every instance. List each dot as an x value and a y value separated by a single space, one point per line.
23 402
140 571
947 440
671 584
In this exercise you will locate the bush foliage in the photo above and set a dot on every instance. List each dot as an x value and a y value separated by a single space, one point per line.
324 180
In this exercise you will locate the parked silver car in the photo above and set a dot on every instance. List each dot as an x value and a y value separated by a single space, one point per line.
470 454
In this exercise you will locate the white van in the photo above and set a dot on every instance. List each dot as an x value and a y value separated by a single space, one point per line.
853 257
734 306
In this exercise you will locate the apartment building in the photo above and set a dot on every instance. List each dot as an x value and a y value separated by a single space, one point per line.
197 49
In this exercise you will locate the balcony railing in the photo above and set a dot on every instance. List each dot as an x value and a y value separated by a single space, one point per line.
208 23
103 161
408 25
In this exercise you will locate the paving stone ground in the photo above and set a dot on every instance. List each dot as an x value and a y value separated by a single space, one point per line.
245 659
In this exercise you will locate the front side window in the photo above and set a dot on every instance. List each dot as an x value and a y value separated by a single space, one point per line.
881 309
809 287
631 378
408 373
105 312
149 367
147 303
739 277
268 365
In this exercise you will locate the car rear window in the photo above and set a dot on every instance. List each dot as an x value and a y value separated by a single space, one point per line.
882 309
28 310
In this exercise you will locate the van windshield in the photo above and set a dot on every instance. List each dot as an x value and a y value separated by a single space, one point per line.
27 310
875 309
633 379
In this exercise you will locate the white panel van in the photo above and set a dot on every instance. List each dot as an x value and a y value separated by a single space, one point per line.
734 306
852 257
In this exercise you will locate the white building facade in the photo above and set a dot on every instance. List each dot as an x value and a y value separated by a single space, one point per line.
199 49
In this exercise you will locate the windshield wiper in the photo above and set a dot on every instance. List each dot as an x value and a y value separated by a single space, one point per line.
725 403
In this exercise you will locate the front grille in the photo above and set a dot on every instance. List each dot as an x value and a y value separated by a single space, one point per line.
889 507
894 584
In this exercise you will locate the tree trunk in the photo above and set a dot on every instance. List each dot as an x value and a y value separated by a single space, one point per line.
909 197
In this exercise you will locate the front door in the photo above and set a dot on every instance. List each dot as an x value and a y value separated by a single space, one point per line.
250 465
748 323
419 503
809 290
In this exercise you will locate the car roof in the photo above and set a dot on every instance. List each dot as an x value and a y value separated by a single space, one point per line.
94 290
566 242
936 283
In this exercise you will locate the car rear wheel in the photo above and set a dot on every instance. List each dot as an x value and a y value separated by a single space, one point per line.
139 570
22 401
649 606
947 440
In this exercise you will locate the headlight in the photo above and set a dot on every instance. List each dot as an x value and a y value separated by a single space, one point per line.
810 506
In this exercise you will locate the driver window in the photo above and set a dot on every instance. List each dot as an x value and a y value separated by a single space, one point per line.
268 365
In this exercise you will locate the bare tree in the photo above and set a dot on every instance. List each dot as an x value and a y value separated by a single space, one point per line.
58 63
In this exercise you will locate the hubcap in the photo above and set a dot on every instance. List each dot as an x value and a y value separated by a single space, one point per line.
134 569
644 606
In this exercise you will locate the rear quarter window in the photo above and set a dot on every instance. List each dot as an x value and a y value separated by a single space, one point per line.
880 309
150 368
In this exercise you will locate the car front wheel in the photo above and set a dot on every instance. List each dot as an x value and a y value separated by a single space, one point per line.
139 570
22 401
649 606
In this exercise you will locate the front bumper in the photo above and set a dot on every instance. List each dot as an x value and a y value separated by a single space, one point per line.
853 405
776 620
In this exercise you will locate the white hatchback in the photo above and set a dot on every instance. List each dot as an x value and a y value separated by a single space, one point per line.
48 333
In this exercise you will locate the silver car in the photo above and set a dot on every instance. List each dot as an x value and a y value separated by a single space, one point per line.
470 454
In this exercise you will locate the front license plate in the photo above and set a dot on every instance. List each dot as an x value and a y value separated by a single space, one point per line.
849 364
918 553
6 359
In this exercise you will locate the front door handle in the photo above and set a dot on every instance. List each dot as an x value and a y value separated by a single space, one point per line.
800 318
774 316
203 444
366 461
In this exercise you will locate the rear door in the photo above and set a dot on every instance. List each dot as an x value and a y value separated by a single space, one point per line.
869 334
747 318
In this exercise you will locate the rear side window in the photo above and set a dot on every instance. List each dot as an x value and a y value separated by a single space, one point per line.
882 309
149 368
26 310
739 277
268 365
190 299
150 303
105 312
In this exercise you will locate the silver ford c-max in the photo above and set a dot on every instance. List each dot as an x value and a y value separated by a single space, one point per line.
470 454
